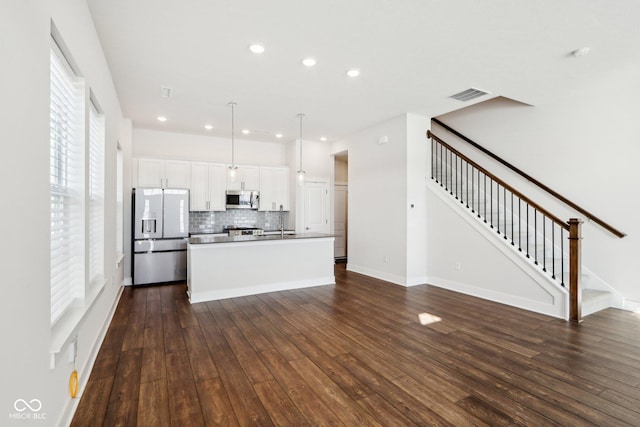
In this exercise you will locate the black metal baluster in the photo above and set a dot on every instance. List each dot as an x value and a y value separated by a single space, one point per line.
433 160
454 178
512 229
467 181
504 201
491 201
485 198
440 165
461 175
458 180
553 250
519 224
535 236
527 230
498 205
544 243
473 188
562 256
450 172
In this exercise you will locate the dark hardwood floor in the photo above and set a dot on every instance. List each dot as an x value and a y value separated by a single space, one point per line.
354 354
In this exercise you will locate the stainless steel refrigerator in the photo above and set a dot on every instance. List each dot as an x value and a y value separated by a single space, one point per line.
160 226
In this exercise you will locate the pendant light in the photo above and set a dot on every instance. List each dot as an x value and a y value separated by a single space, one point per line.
301 172
233 167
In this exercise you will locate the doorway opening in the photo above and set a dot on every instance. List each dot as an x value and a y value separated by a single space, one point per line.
341 206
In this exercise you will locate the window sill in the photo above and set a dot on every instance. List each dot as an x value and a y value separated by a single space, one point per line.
65 329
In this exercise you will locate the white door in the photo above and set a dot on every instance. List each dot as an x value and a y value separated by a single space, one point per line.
316 207
340 221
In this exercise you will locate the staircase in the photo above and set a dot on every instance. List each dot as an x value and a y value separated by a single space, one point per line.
594 300
546 241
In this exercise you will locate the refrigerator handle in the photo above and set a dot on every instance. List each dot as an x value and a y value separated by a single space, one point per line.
147 224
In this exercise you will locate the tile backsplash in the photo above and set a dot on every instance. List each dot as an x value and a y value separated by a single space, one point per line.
214 222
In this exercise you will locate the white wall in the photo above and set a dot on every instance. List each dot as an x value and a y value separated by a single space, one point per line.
416 205
24 170
583 146
378 200
184 146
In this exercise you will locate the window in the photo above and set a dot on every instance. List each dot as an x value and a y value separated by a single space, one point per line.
119 204
96 196
66 147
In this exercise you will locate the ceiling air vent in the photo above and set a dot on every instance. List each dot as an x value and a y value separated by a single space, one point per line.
468 95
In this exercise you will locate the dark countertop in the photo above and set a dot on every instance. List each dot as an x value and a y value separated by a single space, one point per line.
198 233
234 239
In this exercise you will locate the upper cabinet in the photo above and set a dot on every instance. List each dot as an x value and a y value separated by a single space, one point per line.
208 182
274 188
164 173
246 178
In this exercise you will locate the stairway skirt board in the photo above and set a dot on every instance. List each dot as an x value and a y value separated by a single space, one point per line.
596 295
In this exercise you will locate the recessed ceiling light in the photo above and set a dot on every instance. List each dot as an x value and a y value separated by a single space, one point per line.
353 73
323 138
162 119
208 127
256 48
245 131
279 135
309 62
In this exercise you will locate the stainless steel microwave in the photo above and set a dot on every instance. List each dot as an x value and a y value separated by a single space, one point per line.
242 199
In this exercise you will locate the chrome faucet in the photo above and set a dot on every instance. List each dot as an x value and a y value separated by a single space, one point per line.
281 219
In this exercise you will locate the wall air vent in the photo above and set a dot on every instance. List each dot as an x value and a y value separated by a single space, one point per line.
468 95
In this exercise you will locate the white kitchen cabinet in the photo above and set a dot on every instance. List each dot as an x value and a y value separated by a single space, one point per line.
208 183
164 173
274 188
246 178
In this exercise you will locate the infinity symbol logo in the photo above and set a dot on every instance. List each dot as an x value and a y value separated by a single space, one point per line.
21 405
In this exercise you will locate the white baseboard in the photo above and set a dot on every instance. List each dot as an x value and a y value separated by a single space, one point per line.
387 277
195 297
630 305
557 309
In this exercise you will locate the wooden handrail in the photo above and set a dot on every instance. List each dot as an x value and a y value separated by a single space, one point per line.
560 222
534 181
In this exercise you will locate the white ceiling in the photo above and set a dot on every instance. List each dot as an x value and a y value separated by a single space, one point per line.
412 55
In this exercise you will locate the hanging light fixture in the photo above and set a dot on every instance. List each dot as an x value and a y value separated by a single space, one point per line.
301 172
233 167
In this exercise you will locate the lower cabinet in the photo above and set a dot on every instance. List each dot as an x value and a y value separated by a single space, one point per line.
208 184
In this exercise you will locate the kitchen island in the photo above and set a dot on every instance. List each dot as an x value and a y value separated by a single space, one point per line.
225 267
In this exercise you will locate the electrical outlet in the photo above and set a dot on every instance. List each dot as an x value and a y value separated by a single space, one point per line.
458 266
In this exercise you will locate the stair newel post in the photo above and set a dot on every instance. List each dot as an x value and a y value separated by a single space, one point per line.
575 270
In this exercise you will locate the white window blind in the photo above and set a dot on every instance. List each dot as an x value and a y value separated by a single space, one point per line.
119 203
96 195
66 181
